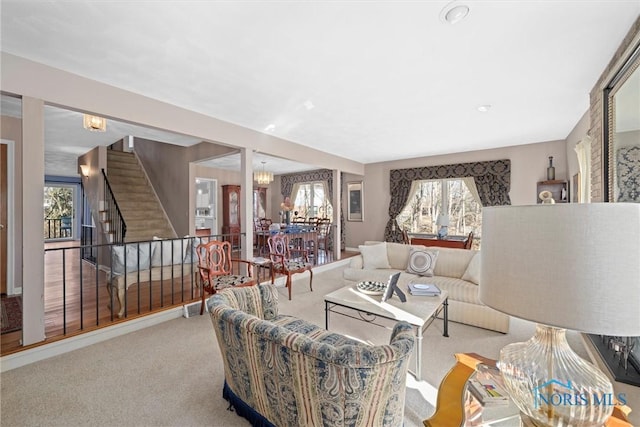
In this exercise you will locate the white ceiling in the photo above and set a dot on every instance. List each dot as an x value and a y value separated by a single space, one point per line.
385 79
66 139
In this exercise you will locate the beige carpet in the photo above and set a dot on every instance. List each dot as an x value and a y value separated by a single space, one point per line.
171 374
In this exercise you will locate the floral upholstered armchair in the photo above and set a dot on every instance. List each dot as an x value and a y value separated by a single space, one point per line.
283 371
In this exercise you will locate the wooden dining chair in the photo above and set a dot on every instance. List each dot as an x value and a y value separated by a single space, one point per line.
215 268
283 262
469 241
324 236
405 237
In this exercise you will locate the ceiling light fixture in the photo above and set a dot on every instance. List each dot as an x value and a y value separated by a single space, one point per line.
484 108
263 177
454 12
94 123
308 104
270 128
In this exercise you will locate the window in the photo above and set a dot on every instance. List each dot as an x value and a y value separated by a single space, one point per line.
312 200
58 211
428 199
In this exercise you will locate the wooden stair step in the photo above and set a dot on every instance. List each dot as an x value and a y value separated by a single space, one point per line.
115 171
140 207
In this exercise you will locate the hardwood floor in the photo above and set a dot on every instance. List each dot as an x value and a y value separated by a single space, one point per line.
76 299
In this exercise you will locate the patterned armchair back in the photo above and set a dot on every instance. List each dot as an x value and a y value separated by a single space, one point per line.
293 373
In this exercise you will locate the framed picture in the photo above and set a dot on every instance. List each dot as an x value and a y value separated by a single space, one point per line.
355 202
575 188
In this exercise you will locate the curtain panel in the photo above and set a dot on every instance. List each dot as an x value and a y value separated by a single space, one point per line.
289 181
492 179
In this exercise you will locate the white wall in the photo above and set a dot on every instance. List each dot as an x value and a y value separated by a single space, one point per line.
528 166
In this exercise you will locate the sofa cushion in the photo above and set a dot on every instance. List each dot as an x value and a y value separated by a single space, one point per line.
374 256
191 253
168 252
472 274
398 255
422 261
453 262
459 290
356 262
135 255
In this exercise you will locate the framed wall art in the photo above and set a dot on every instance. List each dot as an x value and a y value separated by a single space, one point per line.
355 203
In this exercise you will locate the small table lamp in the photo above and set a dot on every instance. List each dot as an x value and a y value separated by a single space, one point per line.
573 266
443 222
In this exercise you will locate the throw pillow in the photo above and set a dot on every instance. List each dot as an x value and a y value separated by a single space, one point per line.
167 252
374 256
131 253
191 253
422 261
473 270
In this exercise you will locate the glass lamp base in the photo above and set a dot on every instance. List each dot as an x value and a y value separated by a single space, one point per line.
552 385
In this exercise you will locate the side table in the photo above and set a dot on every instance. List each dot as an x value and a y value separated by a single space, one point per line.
455 405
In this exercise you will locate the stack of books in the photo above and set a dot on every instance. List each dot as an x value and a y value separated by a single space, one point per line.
488 392
424 289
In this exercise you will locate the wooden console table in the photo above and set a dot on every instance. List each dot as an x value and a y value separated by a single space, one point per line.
459 242
455 408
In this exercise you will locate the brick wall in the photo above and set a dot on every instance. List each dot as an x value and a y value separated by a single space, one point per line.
598 180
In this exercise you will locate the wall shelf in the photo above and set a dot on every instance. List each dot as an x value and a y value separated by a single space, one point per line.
558 188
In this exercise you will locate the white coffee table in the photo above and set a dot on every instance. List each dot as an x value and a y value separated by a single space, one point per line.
418 311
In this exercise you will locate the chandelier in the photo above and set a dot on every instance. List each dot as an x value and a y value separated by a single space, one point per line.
94 123
263 177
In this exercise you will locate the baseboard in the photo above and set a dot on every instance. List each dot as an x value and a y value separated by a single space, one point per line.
45 351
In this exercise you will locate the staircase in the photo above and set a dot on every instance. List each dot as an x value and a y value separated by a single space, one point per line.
138 203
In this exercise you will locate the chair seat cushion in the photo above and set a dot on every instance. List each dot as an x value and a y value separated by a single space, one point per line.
228 281
291 265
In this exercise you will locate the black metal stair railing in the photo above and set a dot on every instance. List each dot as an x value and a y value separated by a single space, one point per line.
112 213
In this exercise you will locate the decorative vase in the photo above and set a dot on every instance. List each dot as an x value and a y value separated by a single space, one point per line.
551 171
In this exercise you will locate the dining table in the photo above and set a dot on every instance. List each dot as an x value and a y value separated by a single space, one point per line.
303 233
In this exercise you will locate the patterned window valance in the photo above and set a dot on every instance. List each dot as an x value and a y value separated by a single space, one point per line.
492 178
287 181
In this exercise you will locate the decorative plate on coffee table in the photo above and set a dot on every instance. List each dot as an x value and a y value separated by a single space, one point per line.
371 288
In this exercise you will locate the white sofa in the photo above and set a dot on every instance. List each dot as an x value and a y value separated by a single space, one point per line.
456 271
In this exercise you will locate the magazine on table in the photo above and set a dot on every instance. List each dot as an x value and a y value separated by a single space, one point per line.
488 391
425 289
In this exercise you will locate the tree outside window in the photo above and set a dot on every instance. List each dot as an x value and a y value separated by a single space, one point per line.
452 197
58 211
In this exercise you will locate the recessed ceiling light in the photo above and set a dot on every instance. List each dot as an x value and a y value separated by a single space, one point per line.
308 104
454 12
270 128
484 108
